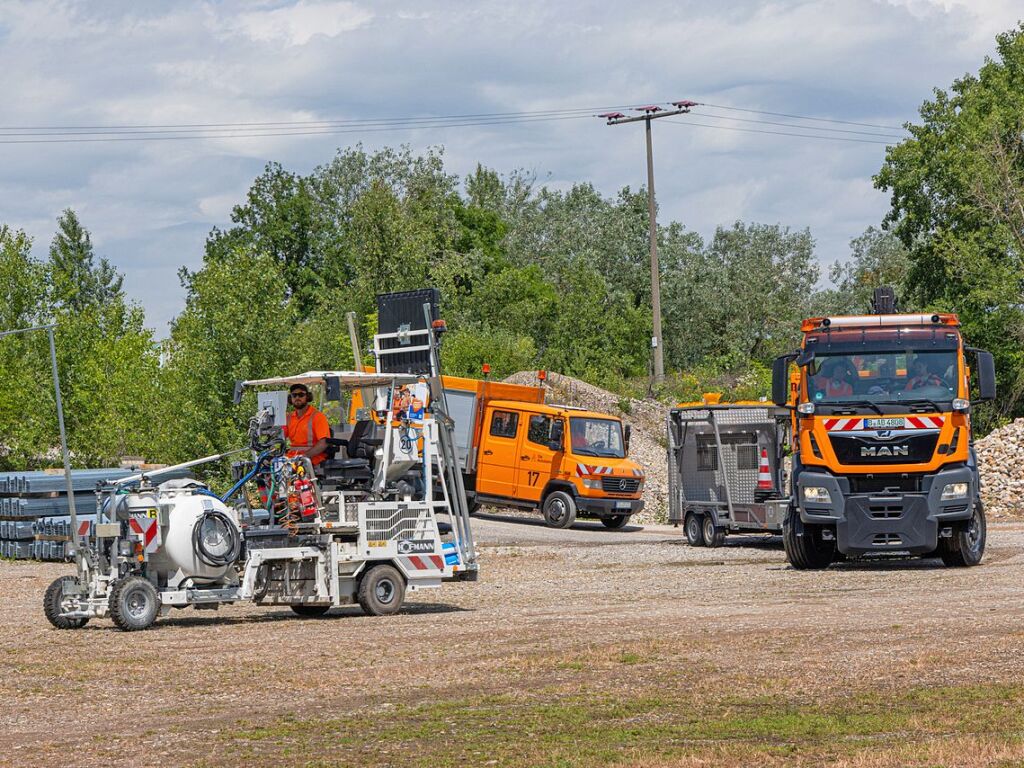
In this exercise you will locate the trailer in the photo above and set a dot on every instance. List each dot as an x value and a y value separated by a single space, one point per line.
726 469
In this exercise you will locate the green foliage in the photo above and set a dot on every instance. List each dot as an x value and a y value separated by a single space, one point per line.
957 191
877 258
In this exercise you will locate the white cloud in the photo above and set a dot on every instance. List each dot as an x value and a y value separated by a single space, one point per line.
299 23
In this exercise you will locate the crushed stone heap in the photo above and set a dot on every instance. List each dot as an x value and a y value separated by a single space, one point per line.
1001 466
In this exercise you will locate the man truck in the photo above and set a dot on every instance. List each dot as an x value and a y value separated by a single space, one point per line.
882 450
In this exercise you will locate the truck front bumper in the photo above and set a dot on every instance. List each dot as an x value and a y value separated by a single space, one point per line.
608 507
887 522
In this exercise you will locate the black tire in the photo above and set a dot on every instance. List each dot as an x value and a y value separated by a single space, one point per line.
967 545
381 591
714 536
694 528
310 611
809 551
54 604
559 509
615 522
134 603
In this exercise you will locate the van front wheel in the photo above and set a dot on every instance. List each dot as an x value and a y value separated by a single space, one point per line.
559 509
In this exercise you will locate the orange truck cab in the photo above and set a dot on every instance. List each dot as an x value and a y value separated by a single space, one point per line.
882 449
520 452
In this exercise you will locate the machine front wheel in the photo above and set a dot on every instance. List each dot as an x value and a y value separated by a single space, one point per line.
54 604
810 551
559 510
967 545
134 603
381 591
310 610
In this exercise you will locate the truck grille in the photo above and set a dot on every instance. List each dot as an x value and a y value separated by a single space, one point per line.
913 449
619 484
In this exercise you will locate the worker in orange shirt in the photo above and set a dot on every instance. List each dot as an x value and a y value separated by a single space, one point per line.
307 429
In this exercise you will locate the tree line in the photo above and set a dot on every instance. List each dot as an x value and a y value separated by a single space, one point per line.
531 277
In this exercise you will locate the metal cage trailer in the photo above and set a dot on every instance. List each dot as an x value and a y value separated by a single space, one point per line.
725 470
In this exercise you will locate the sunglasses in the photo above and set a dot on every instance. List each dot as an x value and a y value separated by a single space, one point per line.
298 394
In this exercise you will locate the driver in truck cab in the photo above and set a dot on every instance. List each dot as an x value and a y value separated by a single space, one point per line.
836 381
922 377
307 429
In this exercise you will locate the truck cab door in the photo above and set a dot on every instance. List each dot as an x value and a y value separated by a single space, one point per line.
538 461
499 452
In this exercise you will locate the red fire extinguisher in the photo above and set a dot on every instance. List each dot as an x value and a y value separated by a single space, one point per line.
307 498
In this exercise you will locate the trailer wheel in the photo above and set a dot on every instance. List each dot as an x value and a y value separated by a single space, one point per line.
810 551
559 509
381 591
615 522
134 603
54 604
714 536
967 545
694 530
310 610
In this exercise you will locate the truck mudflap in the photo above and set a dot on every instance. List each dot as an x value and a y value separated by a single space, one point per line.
608 507
888 522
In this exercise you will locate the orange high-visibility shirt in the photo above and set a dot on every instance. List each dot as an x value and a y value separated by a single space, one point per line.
304 431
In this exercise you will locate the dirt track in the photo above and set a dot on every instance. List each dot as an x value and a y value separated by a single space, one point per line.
588 615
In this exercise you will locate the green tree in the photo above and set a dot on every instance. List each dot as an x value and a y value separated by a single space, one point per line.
76 280
877 258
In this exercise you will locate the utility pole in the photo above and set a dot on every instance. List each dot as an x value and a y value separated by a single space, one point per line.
652 112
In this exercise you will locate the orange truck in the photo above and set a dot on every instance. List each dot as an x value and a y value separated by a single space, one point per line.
882 450
520 452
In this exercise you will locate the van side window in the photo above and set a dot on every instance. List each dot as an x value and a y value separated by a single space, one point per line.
504 423
540 430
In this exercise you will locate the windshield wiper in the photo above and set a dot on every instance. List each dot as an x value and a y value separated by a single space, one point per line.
849 404
922 401
585 452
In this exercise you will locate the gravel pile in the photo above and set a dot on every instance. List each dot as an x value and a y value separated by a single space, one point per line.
1001 465
646 417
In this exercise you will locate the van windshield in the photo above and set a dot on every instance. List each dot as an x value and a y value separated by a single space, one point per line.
596 437
892 376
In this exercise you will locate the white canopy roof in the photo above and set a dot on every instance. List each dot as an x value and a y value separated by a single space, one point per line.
347 379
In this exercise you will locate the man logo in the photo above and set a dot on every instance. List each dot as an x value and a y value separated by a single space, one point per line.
871 451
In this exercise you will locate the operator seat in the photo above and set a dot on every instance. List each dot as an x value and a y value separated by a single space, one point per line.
355 466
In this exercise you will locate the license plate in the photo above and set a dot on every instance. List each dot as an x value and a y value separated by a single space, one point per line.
622 505
883 423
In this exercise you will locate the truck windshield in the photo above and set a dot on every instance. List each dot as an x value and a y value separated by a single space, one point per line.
893 376
596 437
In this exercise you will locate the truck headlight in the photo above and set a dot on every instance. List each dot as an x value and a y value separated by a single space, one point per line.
814 494
594 485
961 404
954 491
805 408
640 486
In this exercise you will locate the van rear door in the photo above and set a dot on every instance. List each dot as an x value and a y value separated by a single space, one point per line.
499 452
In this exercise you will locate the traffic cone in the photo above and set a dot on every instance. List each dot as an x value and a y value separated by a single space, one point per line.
764 474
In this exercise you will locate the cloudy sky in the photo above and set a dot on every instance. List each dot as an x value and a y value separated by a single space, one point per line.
150 204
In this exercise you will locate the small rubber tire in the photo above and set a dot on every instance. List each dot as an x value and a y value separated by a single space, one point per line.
381 591
615 522
53 605
134 603
310 611
694 528
714 536
559 509
966 547
807 552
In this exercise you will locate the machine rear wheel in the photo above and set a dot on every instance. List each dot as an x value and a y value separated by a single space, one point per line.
310 610
811 551
713 535
54 604
694 530
559 510
381 591
134 603
967 545
615 522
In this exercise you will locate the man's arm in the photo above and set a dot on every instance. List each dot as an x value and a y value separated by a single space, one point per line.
321 431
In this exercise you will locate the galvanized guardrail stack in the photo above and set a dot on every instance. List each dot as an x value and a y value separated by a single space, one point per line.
34 511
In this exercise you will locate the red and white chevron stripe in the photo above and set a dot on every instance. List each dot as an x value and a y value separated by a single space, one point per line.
146 528
856 423
423 563
584 470
925 422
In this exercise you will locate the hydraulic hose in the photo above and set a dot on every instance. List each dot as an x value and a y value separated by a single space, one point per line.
212 558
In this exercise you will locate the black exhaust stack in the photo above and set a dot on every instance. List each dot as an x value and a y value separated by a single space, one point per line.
884 301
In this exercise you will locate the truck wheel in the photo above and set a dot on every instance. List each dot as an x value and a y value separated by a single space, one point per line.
810 551
134 603
559 509
714 536
381 591
310 610
967 545
54 603
615 522
694 530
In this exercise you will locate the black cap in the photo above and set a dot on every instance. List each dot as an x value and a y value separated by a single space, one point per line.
300 388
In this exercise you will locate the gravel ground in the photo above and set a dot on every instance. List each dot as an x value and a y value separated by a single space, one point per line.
731 621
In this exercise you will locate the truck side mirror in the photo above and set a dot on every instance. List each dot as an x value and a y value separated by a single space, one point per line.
986 375
780 379
626 434
333 387
557 435
236 396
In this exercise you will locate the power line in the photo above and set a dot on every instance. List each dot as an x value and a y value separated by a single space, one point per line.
804 117
778 133
808 127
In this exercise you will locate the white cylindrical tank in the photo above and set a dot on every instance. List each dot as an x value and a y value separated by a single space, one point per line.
201 537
